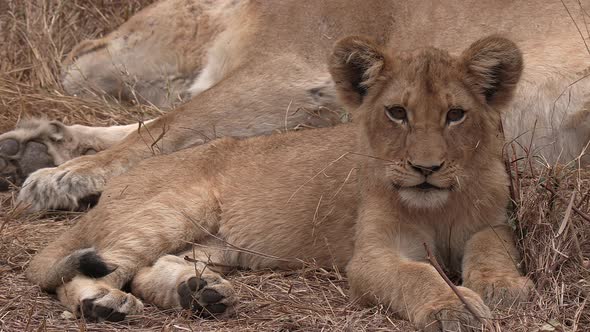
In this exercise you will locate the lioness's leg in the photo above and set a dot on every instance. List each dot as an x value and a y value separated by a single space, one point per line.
37 143
173 282
490 267
278 102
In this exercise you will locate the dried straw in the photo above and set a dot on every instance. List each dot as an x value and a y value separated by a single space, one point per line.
35 35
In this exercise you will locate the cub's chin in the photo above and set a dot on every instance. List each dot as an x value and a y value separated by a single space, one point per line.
432 198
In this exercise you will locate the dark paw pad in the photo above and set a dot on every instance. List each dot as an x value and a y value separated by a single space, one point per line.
187 289
9 147
94 312
208 311
211 296
17 161
203 302
35 156
217 308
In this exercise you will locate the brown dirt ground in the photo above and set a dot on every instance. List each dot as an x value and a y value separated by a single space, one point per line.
34 37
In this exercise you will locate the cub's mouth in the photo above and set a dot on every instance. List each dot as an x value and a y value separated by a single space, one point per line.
426 186
424 195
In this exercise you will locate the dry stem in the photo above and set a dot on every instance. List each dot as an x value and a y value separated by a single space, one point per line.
440 271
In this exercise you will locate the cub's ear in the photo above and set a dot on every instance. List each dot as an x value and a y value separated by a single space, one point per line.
355 65
493 66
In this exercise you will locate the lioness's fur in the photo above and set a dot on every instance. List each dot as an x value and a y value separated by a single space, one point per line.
253 67
279 200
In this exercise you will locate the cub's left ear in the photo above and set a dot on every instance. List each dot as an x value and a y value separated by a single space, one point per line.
493 66
356 63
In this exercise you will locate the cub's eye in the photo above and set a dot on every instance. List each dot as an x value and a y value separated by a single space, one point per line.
455 115
396 113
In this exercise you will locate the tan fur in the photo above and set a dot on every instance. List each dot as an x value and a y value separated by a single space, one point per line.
40 143
282 200
254 67
149 58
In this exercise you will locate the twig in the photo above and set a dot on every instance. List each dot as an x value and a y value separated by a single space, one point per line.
510 178
230 246
210 263
563 199
516 174
440 271
507 165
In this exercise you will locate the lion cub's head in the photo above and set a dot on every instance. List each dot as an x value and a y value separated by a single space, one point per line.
430 120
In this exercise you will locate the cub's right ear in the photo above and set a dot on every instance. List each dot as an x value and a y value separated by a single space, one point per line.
356 64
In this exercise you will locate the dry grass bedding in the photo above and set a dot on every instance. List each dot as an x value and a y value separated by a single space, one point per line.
550 212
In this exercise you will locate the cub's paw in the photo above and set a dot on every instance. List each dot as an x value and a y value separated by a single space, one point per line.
502 292
109 304
207 296
63 187
450 314
35 144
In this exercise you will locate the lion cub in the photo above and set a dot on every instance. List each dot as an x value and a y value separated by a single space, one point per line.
420 164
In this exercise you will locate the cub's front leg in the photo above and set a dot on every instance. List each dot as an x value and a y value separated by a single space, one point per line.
490 268
388 268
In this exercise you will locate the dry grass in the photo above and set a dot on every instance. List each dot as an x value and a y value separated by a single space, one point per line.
36 34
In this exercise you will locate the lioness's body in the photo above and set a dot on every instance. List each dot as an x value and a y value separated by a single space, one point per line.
258 67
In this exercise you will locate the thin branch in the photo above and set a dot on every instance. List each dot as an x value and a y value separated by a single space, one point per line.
208 263
440 271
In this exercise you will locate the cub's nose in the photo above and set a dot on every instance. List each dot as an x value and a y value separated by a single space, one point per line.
425 170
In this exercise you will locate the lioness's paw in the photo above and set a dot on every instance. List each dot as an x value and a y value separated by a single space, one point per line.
36 144
112 305
207 296
450 314
62 187
502 291
20 158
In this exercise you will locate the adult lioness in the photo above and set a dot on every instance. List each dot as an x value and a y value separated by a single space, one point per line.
263 63
429 170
